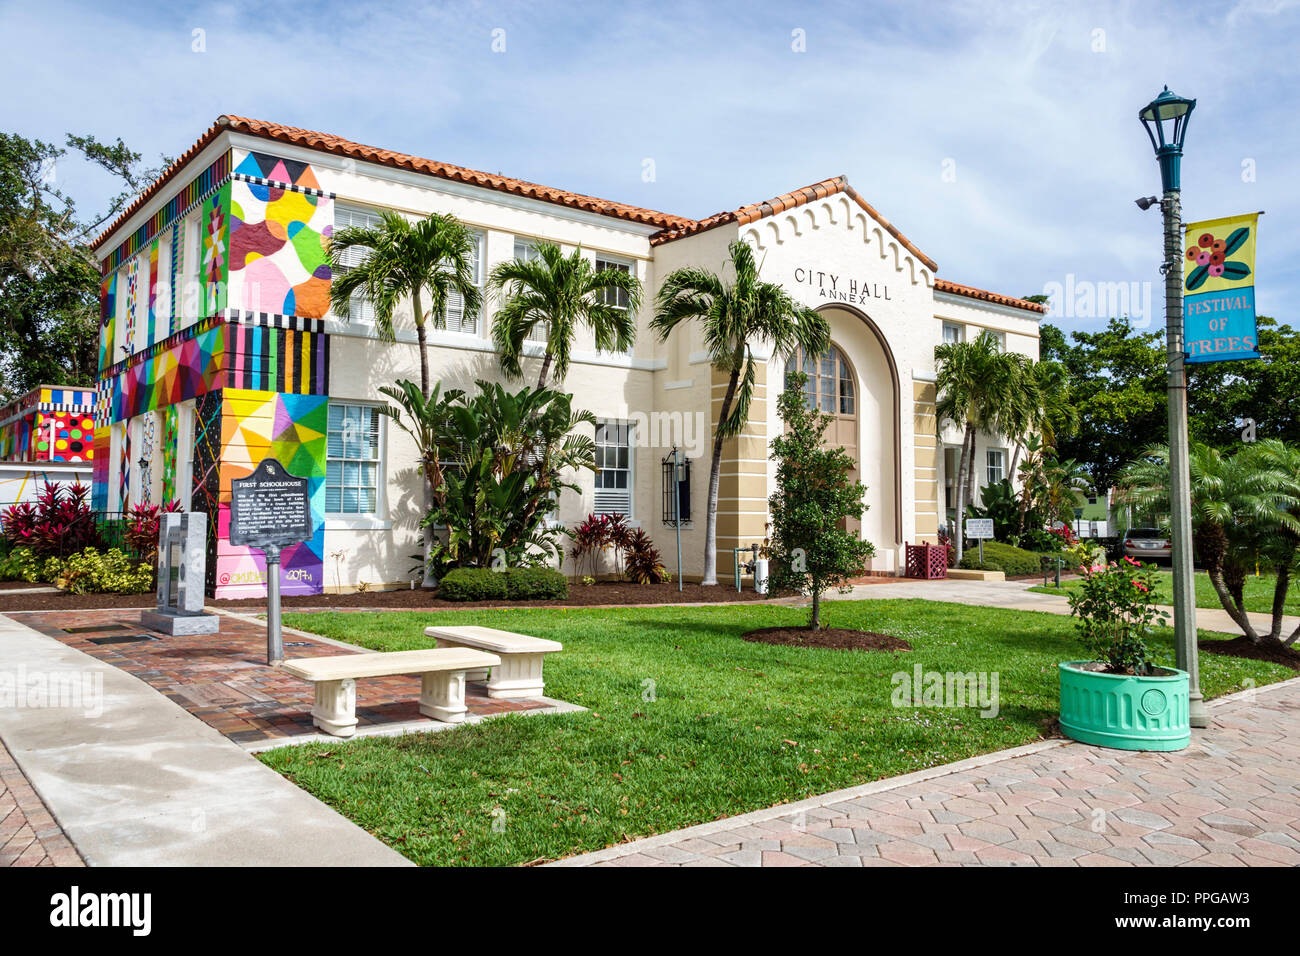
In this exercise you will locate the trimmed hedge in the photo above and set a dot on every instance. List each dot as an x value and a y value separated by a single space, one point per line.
515 584
999 556
536 584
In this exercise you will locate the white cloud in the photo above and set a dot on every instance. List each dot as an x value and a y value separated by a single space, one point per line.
1042 127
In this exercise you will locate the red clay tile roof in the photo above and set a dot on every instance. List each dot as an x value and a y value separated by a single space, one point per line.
384 157
943 285
671 227
791 200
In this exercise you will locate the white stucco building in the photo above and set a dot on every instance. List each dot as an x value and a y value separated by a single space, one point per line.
244 359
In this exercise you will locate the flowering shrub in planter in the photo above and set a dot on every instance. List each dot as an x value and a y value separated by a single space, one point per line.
1119 698
1116 614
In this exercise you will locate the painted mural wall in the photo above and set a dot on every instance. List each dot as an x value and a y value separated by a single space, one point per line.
49 424
291 428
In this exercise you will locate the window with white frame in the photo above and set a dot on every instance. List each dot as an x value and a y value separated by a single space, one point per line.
360 308
997 465
457 319
999 338
614 467
612 296
952 333
526 251
353 462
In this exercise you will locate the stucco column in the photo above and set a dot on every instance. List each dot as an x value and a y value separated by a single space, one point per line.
743 485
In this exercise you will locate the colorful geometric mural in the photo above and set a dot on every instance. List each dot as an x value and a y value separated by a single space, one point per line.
100 468
170 437
214 254
183 367
281 224
291 428
49 424
132 291
177 207
151 334
107 314
178 252
271 359
206 471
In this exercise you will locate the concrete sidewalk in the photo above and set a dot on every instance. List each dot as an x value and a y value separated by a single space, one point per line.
134 780
1016 596
1232 798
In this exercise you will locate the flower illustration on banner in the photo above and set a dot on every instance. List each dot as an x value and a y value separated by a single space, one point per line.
1211 258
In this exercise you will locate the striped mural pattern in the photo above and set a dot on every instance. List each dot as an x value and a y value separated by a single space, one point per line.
185 200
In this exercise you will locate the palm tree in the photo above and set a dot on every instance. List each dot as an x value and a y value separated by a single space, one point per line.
426 417
1041 406
405 259
1239 502
734 315
1282 547
976 383
1064 483
554 294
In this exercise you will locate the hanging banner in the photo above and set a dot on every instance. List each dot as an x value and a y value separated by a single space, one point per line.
1219 289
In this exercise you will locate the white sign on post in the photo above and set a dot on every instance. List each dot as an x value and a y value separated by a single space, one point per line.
980 529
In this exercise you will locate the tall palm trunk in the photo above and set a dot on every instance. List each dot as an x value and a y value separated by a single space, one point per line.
971 483
962 479
1279 600
715 475
546 369
421 336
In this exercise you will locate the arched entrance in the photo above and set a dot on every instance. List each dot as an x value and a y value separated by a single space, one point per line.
878 407
832 388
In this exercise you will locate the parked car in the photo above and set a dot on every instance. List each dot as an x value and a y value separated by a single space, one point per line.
1148 544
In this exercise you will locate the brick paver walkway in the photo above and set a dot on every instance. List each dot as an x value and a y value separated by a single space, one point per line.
28 834
1230 799
223 678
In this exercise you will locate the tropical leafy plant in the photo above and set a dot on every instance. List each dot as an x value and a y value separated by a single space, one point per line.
548 297
59 523
141 532
734 315
643 562
597 535
495 463
1245 509
431 257
978 387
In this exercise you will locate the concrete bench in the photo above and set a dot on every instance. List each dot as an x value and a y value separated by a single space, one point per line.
442 682
519 673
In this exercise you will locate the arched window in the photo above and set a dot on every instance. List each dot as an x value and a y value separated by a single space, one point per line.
830 381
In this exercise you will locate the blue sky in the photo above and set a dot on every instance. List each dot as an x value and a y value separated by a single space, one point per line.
1001 137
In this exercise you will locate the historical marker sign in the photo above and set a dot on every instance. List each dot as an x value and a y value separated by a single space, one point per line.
270 509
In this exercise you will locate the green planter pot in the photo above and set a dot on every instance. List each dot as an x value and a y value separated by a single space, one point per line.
1125 712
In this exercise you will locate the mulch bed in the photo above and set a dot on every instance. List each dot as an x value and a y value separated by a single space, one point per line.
834 638
601 594
1243 646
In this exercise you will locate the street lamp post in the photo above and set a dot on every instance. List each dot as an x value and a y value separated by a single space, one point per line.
1165 120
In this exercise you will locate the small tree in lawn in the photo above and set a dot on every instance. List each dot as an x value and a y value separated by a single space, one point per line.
809 548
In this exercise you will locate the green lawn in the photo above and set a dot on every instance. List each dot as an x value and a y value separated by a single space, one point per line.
1257 594
730 726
